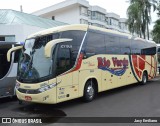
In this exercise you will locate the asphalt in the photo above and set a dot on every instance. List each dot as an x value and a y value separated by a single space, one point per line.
129 101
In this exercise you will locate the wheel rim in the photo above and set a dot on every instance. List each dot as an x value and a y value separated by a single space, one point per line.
144 79
90 91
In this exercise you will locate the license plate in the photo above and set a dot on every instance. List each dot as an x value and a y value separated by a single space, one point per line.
28 98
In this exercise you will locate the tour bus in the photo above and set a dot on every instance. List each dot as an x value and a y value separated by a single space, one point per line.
73 61
8 70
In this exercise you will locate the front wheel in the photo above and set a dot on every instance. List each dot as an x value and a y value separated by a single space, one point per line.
89 91
144 78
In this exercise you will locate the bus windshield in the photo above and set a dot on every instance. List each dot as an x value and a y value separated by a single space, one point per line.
33 66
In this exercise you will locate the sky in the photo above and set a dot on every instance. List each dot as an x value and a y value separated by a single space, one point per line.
117 6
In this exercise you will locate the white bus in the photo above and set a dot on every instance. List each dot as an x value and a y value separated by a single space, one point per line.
8 70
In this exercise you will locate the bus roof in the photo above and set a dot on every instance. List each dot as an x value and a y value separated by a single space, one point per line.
82 27
59 29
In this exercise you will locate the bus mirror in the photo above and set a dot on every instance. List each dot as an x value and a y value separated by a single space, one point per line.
12 50
51 44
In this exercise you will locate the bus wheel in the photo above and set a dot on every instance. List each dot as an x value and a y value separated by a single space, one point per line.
144 78
89 91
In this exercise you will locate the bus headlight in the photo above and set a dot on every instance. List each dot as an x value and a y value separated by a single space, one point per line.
17 85
47 87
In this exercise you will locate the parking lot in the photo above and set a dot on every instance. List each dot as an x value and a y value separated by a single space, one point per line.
129 101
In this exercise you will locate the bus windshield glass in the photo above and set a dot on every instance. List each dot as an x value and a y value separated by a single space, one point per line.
33 65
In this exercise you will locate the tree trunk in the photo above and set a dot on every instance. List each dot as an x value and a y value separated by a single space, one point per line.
147 30
140 34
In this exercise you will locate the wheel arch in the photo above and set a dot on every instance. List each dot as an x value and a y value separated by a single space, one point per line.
95 81
145 71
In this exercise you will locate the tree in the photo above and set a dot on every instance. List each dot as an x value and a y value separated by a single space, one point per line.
156 31
142 19
156 27
134 19
147 10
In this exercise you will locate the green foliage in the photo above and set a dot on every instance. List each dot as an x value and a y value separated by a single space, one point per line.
156 31
139 16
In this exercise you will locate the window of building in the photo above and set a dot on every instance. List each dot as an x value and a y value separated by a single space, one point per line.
2 38
53 17
98 25
114 22
98 16
84 11
10 38
106 20
83 21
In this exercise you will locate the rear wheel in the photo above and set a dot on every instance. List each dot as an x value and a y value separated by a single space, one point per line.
144 78
89 91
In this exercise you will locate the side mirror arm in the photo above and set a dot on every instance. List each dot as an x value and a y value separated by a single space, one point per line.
12 50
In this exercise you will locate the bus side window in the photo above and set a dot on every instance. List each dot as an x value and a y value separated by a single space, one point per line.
135 49
148 49
95 44
112 44
63 59
125 46
77 37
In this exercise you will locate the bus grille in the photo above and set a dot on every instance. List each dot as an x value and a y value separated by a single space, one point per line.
26 91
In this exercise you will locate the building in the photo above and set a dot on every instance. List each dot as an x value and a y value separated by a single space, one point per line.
81 12
16 26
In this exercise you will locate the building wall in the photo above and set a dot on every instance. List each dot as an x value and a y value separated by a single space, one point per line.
68 15
76 12
19 31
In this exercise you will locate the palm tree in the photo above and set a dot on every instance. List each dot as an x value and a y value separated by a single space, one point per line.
143 17
148 5
134 19
156 31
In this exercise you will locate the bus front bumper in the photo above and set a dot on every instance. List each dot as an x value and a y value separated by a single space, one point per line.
46 97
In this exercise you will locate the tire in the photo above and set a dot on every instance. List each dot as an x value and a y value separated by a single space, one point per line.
144 78
89 91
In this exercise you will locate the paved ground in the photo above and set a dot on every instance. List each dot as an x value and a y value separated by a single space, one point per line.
129 101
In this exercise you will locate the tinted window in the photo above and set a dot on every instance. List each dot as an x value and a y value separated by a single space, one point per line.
125 46
4 64
77 37
112 44
158 50
135 48
139 47
63 58
2 38
42 41
95 44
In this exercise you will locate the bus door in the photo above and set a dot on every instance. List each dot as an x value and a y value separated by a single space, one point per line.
65 88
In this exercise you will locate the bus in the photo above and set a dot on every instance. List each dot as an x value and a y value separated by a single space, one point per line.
8 70
73 61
